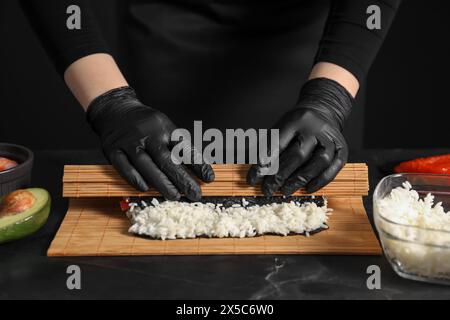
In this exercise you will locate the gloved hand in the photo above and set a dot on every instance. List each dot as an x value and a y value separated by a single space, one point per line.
312 147
136 139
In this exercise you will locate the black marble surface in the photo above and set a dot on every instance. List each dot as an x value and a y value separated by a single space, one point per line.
26 272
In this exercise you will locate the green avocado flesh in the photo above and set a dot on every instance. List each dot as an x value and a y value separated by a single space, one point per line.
27 222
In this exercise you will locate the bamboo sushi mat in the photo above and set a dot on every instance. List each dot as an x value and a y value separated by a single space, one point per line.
83 181
97 227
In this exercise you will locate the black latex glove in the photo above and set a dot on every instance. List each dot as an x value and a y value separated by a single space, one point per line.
312 147
136 140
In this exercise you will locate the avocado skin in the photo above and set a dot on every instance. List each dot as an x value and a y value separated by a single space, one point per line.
26 227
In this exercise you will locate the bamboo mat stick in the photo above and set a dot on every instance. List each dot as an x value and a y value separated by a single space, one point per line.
85 181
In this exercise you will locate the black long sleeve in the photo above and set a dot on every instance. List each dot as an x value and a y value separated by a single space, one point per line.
347 41
64 46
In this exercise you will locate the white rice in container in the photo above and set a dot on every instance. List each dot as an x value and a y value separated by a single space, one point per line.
181 220
418 240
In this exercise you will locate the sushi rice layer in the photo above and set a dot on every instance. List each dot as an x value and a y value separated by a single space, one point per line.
184 220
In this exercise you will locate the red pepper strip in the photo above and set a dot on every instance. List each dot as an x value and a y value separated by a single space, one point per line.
436 165
124 206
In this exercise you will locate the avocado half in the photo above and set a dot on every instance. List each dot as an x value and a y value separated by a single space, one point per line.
22 213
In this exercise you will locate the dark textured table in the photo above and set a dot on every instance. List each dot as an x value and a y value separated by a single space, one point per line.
26 272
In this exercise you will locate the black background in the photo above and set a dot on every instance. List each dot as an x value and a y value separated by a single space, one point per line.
406 98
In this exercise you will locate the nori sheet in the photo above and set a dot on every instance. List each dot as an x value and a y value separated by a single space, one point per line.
230 201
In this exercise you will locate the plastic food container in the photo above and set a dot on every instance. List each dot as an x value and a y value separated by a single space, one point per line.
415 253
18 177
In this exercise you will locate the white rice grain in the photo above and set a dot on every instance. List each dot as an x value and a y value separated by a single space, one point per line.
180 220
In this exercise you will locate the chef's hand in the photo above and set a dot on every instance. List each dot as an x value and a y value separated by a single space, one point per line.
312 147
136 139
